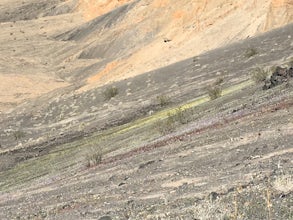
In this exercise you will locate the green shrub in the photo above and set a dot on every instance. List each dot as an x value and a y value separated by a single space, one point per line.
173 120
163 100
215 89
181 116
250 52
110 92
165 126
214 92
259 74
94 159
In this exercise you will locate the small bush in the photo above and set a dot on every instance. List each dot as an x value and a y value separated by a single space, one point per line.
173 120
215 89
94 159
163 100
259 75
110 92
250 52
18 135
214 92
165 126
181 116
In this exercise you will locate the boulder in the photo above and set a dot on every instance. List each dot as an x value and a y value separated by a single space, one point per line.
279 76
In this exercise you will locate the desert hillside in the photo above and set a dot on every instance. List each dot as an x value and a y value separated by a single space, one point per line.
146 109
47 45
165 31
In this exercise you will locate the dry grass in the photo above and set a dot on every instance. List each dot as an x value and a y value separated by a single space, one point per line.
259 74
93 159
215 89
163 100
214 92
250 52
110 92
179 117
165 126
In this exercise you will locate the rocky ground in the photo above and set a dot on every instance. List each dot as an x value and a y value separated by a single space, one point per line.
55 44
232 159
228 158
209 137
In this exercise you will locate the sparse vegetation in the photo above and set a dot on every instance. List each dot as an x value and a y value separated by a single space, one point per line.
179 117
18 135
245 203
214 92
250 52
163 100
165 126
81 157
110 92
259 74
93 159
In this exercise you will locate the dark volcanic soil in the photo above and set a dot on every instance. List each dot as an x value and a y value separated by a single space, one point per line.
242 160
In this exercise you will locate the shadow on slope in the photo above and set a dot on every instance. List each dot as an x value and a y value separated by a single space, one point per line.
34 9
